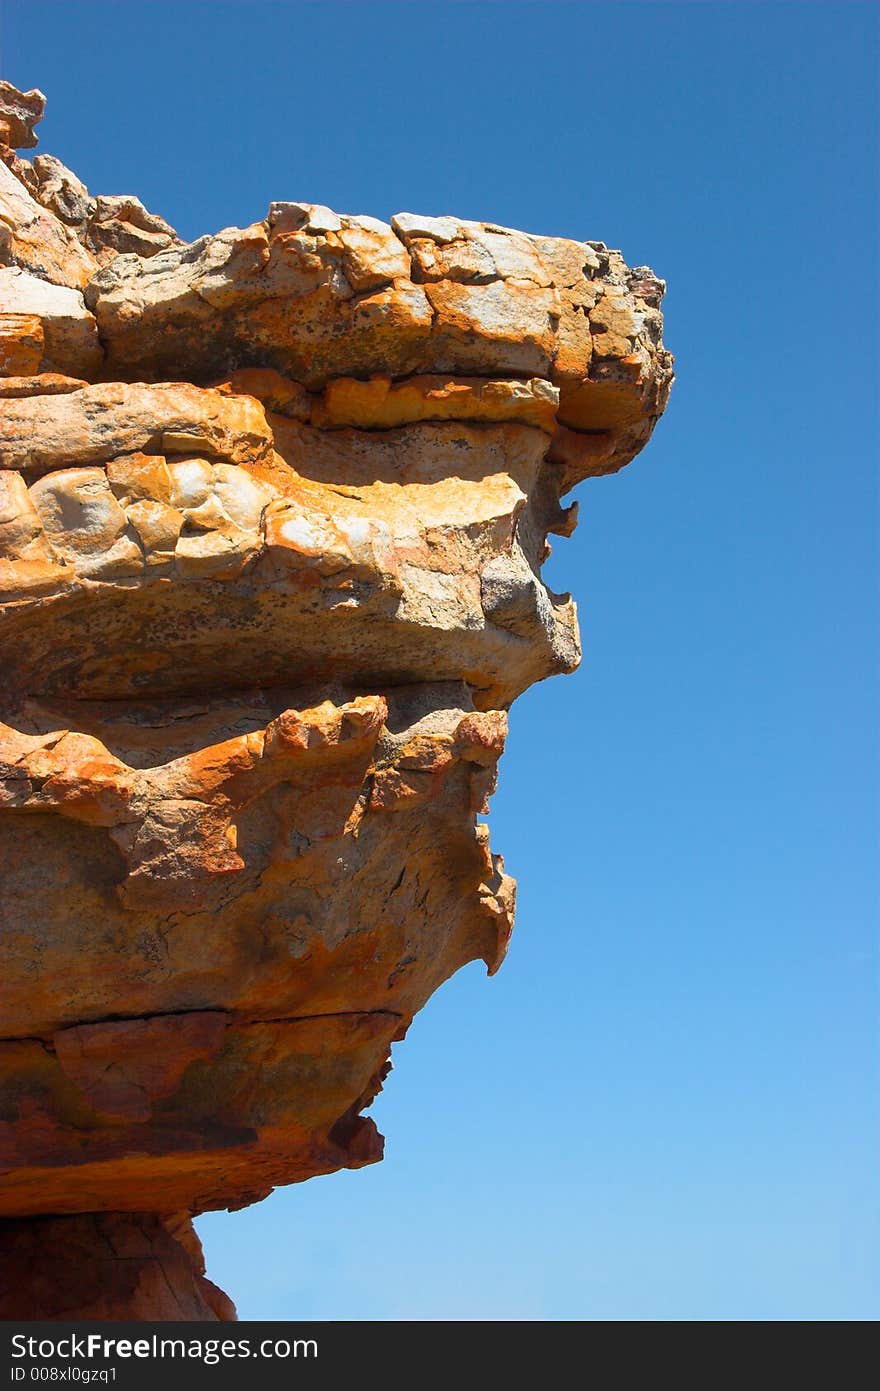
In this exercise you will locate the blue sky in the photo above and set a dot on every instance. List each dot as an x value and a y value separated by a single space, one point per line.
664 1107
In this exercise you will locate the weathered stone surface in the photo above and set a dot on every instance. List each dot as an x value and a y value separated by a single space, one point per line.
21 344
49 223
382 404
19 113
273 512
293 293
36 241
106 226
57 188
40 384
106 1265
63 330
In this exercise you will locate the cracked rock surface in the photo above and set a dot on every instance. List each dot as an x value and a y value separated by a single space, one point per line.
273 510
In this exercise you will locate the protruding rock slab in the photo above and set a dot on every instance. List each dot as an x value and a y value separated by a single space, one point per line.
274 507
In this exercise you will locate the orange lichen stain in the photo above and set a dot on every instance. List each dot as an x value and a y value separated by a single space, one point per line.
381 403
21 344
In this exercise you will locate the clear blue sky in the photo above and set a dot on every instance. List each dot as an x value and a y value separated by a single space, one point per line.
664 1107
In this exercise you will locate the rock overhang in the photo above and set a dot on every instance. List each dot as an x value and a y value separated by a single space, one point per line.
273 510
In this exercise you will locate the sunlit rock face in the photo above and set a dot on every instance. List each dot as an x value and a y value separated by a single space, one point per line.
273 510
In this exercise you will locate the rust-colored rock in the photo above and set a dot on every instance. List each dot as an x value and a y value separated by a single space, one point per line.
273 511
106 1265
19 113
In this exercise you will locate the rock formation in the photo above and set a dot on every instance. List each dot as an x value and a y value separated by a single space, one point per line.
273 510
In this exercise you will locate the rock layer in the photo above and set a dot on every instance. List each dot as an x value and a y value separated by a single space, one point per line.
273 510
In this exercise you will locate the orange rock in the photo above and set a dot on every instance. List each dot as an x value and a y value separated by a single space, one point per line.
19 113
36 241
21 345
66 332
259 643
38 384
124 1068
382 404
276 392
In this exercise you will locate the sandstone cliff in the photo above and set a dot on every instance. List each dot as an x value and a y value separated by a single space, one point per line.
273 510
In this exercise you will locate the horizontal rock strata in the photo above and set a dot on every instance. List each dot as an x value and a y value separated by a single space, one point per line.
273 510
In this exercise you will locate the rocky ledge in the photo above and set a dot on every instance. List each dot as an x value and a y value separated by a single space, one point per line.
273 510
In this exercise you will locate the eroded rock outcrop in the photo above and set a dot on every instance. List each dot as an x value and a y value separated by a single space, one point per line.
273 510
